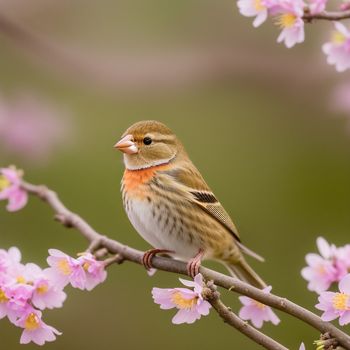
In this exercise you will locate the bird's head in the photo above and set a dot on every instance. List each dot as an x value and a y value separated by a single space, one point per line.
147 144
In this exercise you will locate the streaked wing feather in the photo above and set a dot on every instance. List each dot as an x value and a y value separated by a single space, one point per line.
219 213
202 196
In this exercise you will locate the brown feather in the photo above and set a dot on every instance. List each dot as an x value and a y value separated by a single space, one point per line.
187 174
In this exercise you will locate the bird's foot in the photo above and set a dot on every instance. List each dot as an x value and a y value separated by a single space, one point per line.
149 254
194 264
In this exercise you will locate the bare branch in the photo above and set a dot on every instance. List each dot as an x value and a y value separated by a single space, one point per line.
327 15
233 320
127 253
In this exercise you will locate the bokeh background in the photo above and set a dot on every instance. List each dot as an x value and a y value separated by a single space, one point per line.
267 127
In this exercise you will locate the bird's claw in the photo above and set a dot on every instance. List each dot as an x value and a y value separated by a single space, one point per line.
194 264
150 254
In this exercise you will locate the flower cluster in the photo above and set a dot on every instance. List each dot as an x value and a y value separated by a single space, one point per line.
289 16
191 305
326 268
26 289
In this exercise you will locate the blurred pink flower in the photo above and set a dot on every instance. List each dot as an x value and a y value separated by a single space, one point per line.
30 127
8 259
302 346
317 6
254 8
4 305
190 303
337 304
35 330
340 98
338 49
289 19
10 189
330 266
345 5
257 312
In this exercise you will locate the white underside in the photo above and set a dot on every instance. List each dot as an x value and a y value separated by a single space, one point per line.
141 217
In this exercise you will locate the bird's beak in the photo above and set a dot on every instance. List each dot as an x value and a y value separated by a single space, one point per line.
127 145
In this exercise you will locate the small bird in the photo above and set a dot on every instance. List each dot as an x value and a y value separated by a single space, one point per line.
171 206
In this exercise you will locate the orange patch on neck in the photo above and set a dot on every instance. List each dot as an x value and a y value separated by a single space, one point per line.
134 178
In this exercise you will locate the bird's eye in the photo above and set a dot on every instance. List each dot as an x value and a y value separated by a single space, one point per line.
147 141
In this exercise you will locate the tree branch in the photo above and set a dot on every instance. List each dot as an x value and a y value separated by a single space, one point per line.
70 219
327 15
233 320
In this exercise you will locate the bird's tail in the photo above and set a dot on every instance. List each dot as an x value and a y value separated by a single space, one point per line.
245 273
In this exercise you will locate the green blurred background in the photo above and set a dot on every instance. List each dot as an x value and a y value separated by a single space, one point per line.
253 116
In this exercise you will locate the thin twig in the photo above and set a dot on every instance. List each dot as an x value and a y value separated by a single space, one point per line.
65 216
212 295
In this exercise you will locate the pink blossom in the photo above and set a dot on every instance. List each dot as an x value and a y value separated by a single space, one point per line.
31 127
29 283
337 304
24 288
10 188
317 6
289 19
254 8
8 260
94 270
45 293
35 330
324 269
190 303
345 6
19 298
4 305
65 269
340 99
338 49
257 312
302 346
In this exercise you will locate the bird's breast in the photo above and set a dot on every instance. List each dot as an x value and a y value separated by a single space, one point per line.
134 179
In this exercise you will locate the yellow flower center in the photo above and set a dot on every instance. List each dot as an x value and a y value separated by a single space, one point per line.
321 269
64 267
4 183
183 303
21 280
258 5
259 305
286 20
32 322
42 289
86 266
338 38
340 301
3 297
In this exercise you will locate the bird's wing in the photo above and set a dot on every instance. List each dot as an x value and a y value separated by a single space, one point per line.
201 195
